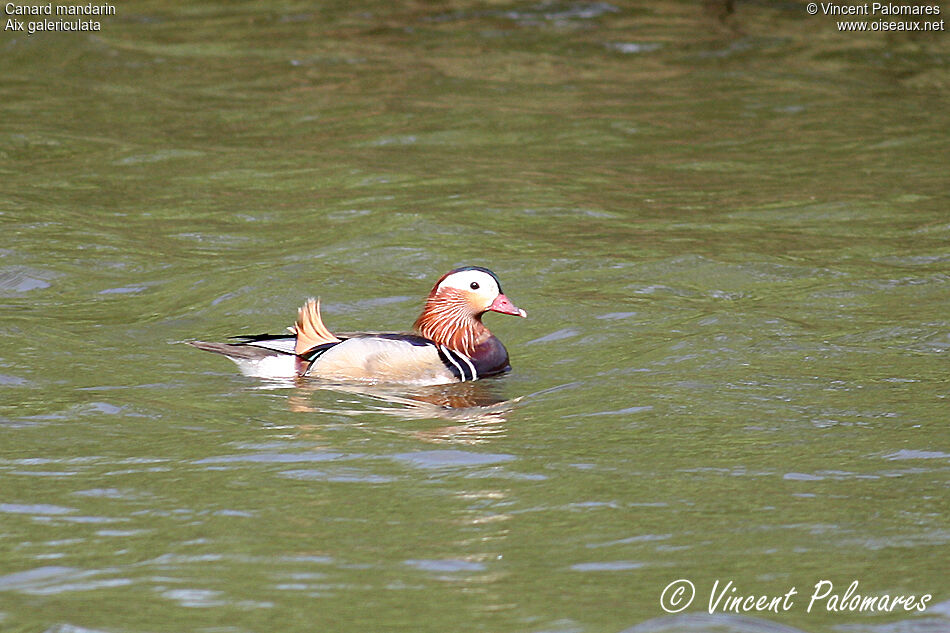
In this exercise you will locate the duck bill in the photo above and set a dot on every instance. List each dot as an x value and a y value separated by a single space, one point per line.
504 305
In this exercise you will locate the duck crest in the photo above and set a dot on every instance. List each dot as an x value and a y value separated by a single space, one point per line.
447 319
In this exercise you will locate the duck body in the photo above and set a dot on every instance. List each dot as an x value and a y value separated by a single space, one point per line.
451 344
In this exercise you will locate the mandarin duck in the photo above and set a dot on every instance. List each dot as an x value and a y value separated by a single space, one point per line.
450 343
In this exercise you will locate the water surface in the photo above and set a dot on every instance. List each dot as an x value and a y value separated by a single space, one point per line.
731 239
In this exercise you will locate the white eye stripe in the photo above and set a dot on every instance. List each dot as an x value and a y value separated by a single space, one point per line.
464 279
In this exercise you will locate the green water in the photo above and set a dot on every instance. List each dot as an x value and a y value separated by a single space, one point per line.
732 241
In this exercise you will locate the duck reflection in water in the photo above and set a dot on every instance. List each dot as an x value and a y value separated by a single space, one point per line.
436 371
476 410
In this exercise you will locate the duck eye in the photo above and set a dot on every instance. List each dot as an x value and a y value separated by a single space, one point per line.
473 285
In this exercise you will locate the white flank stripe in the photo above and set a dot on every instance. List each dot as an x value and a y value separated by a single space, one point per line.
470 366
448 354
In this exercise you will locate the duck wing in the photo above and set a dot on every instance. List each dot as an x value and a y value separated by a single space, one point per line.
309 329
383 357
309 337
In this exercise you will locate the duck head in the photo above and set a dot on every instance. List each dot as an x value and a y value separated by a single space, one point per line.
452 315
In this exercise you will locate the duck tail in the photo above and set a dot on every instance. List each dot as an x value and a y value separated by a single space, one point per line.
309 329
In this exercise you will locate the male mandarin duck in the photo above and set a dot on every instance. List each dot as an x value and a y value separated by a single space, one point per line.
451 344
